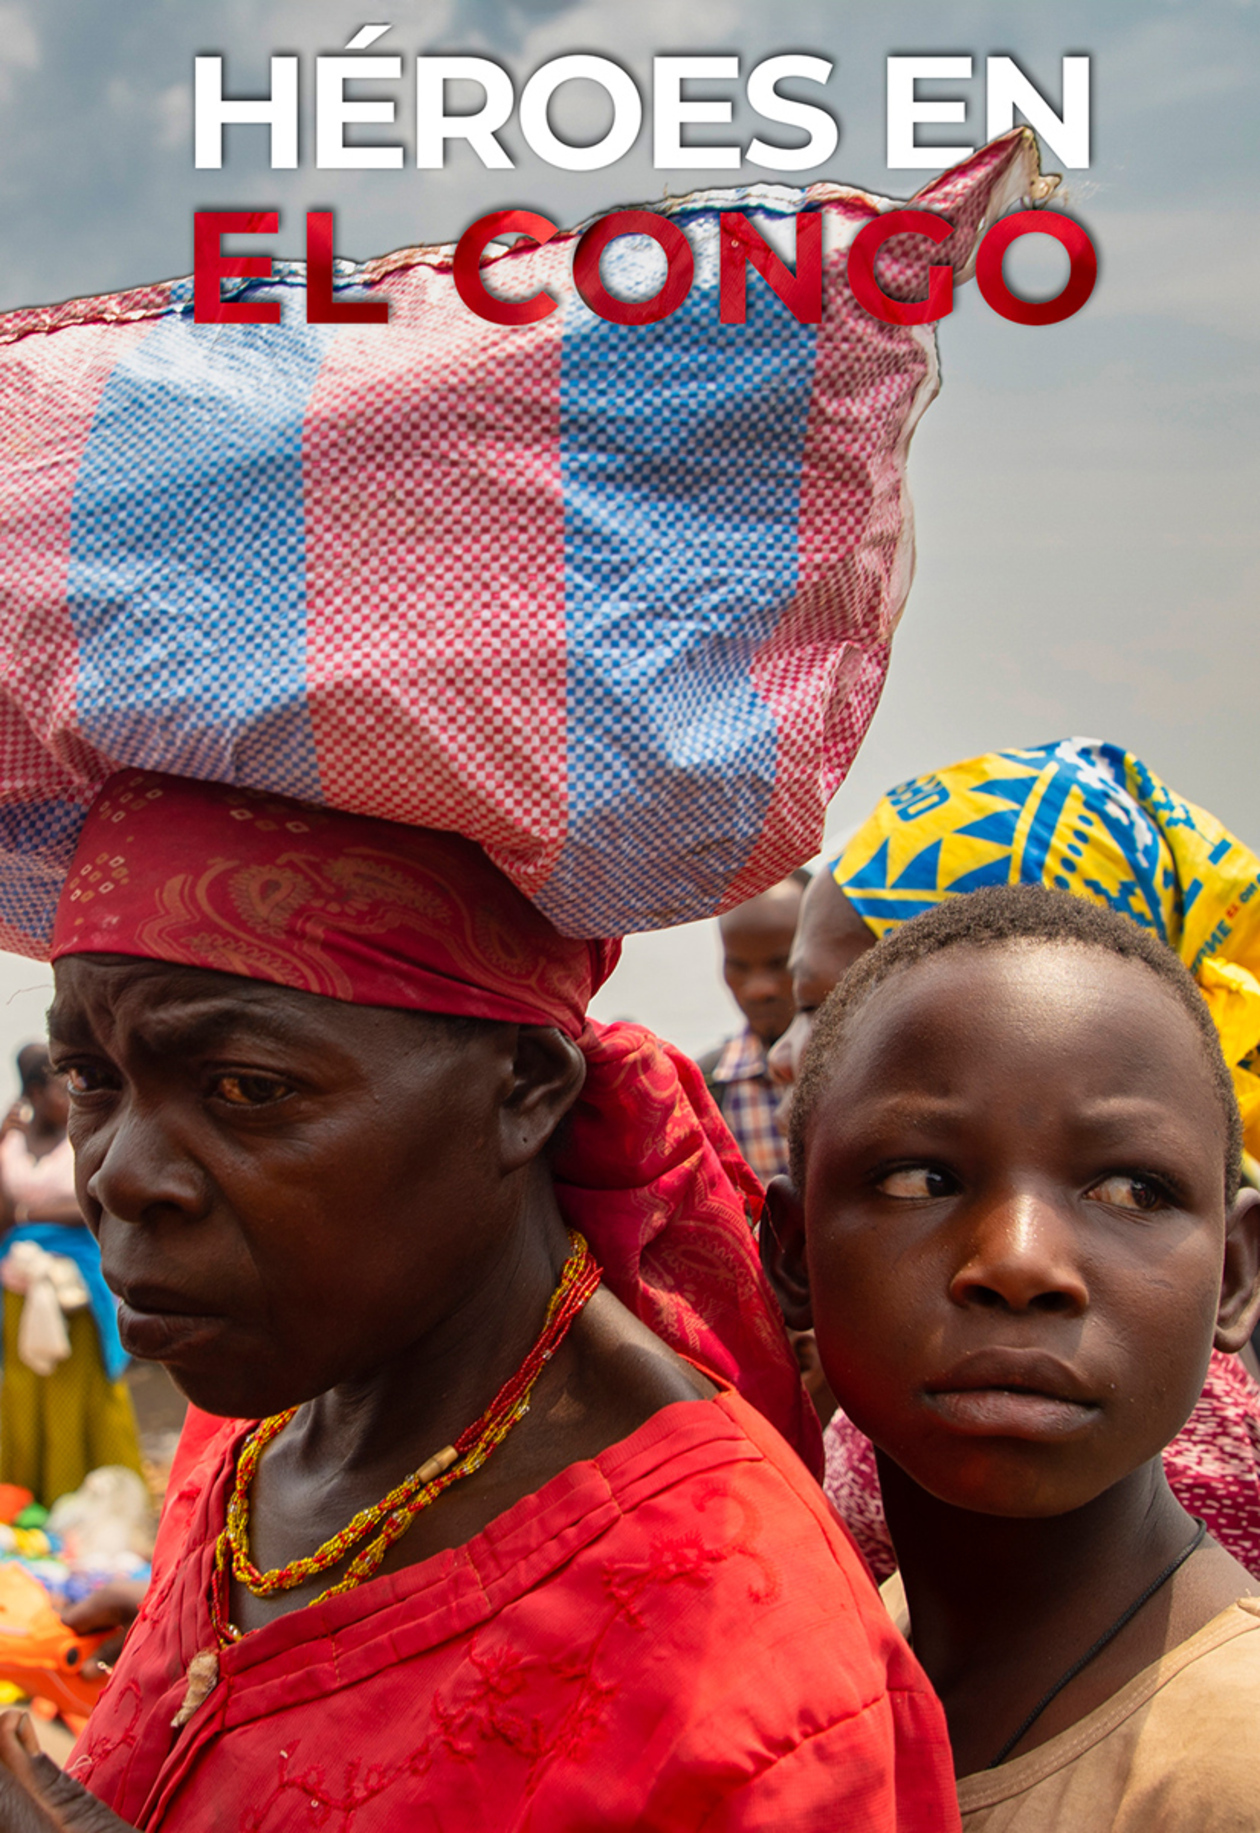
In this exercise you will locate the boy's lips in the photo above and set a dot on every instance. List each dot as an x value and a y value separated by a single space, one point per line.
1011 1393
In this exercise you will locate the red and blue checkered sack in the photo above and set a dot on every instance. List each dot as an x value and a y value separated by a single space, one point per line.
615 602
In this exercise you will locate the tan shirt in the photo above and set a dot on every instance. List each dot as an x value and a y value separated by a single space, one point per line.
1178 1748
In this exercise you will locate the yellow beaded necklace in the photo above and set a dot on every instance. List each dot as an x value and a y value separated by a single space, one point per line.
390 1518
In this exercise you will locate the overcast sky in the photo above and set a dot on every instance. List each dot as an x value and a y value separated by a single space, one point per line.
1086 493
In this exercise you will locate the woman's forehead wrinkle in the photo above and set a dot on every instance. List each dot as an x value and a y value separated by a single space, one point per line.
193 1026
187 1019
67 1022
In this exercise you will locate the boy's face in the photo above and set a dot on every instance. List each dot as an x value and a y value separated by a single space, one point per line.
1015 1223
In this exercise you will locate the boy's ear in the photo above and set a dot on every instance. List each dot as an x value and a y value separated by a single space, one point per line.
782 1243
1240 1281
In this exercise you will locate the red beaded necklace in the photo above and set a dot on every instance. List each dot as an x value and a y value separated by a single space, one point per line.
390 1518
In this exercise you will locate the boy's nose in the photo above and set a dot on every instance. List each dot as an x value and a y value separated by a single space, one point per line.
1020 1256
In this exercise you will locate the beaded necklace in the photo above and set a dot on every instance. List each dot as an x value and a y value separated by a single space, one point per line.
390 1518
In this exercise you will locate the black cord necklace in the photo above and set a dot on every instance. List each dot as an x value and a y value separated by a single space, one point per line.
1108 1635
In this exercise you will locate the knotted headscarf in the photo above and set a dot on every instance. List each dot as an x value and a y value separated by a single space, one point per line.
1089 818
376 913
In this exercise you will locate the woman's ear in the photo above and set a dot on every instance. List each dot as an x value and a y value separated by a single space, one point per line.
1240 1281
548 1071
782 1244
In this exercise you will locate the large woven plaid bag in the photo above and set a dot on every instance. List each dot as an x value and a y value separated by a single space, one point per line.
615 602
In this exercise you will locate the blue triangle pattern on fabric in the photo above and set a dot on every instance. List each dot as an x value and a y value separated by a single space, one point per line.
922 872
873 876
1016 789
998 827
996 872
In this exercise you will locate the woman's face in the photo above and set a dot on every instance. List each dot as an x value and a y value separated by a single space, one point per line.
287 1190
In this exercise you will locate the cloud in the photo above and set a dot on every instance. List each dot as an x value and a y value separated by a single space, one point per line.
174 110
19 49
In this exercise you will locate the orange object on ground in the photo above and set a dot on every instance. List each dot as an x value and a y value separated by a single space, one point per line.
37 1652
13 1499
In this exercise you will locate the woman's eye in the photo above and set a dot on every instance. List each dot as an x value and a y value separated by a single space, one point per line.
1124 1191
240 1090
82 1079
911 1182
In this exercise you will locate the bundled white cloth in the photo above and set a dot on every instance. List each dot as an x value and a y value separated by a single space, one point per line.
52 1286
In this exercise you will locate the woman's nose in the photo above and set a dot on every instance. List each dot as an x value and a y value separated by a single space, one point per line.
138 1170
1021 1256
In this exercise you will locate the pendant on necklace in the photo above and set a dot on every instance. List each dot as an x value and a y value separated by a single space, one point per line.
202 1678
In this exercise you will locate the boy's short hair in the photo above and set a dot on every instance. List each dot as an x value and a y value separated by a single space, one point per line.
984 919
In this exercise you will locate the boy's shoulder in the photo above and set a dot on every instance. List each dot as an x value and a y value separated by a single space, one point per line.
1178 1747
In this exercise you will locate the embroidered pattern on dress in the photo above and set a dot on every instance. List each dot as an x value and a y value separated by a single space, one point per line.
489 1698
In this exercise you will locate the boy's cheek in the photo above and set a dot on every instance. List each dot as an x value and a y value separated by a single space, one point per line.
870 1333
866 1284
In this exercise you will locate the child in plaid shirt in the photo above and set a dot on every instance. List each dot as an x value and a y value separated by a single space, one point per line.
756 942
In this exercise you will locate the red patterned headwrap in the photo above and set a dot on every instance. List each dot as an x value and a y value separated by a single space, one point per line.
385 915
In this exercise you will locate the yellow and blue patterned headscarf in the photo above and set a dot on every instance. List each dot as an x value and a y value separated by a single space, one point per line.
1085 817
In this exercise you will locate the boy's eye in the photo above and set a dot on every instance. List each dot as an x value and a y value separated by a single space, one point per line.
911 1182
1124 1191
242 1090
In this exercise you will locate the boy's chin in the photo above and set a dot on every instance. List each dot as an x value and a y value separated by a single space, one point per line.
1007 1478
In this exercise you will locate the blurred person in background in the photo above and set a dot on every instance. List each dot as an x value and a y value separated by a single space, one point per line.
756 943
758 939
830 935
1089 818
64 1408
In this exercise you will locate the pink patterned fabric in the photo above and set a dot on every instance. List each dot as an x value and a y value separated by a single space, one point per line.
376 913
493 584
1213 1467
851 1480
1213 1463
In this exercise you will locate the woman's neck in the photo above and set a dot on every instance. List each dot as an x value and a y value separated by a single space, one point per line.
414 1403
1001 1607
347 1448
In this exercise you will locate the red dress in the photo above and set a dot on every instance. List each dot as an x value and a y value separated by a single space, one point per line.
676 1635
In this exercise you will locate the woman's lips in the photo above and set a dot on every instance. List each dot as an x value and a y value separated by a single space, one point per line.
164 1336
